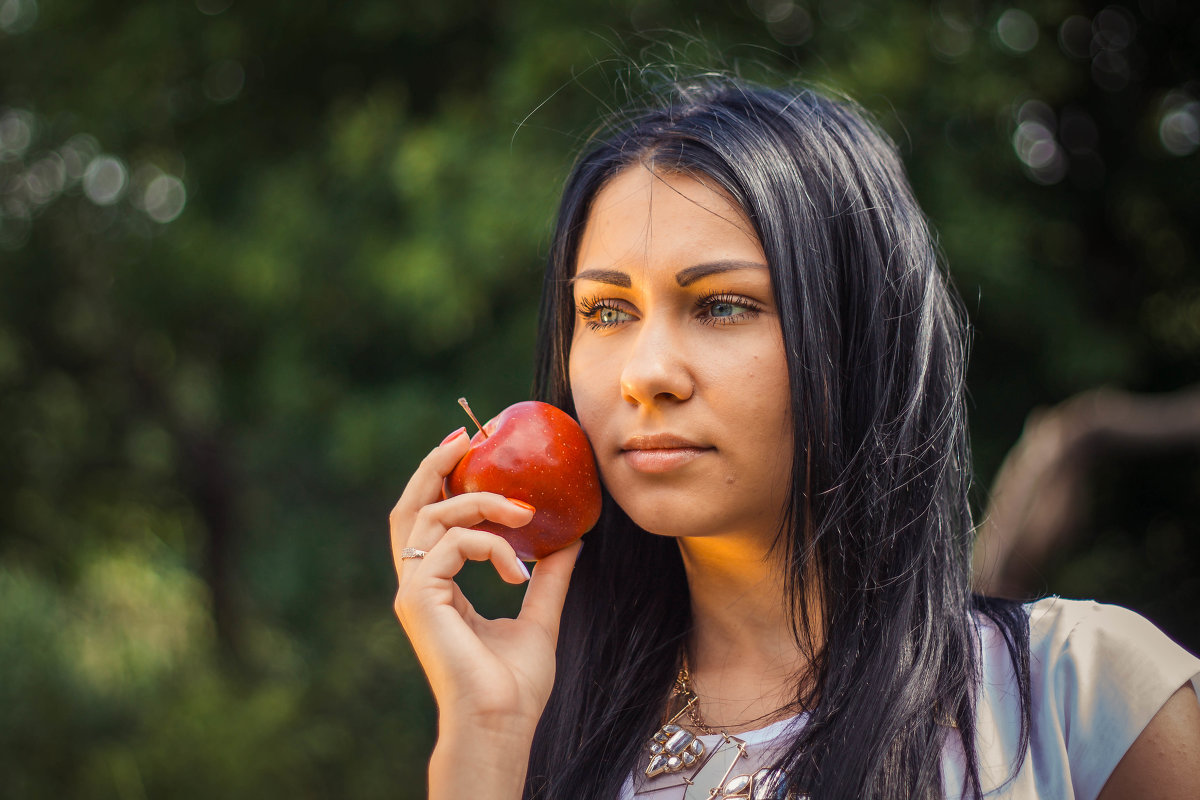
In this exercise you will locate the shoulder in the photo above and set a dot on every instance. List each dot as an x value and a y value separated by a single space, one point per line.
1098 675
1083 651
1165 755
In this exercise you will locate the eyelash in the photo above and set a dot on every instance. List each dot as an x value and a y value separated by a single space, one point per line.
708 301
590 307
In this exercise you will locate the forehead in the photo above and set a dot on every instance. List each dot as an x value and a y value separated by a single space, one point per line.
641 214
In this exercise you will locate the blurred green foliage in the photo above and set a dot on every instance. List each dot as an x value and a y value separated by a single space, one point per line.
250 253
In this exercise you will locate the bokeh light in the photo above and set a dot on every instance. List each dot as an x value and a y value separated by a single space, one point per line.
795 28
1035 144
1108 41
46 178
1114 28
17 16
1179 128
33 176
105 179
164 198
1017 30
950 34
788 22
1075 37
1112 33
16 133
158 194
223 81
77 152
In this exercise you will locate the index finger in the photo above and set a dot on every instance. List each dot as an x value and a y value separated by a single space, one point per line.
425 485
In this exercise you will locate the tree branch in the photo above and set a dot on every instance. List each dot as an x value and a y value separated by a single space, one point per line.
1039 498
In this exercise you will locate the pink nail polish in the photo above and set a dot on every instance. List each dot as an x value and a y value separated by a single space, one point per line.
453 436
524 569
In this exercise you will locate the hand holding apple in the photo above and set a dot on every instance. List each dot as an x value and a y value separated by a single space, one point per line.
538 454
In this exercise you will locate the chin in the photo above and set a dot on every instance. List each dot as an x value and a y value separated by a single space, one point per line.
664 529
663 506
671 520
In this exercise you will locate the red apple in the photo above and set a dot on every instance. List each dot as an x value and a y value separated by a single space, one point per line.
536 453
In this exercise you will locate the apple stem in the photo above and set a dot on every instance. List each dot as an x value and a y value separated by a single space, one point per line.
462 401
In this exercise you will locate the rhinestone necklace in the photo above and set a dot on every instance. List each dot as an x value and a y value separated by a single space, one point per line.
673 747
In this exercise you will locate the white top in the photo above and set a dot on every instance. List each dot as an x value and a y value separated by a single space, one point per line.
1098 675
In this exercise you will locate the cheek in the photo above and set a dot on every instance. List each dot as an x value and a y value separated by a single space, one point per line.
584 382
763 391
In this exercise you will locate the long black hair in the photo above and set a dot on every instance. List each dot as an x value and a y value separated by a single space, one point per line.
878 515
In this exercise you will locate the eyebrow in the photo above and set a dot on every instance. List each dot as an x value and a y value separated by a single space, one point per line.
685 277
690 275
610 276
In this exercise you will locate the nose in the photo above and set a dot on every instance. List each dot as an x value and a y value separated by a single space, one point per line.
656 369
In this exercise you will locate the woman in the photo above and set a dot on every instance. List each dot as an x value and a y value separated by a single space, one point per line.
744 309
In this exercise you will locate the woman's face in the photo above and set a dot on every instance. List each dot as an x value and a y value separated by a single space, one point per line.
677 363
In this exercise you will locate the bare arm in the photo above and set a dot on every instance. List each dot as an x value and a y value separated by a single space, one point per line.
1164 761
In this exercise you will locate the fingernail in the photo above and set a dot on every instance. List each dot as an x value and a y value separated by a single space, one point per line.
577 552
453 436
521 504
524 569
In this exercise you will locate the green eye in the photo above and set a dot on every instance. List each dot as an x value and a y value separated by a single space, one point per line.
726 309
602 313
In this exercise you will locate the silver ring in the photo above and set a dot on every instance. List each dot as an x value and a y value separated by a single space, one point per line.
411 552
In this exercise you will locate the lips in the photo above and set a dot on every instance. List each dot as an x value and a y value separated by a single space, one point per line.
660 452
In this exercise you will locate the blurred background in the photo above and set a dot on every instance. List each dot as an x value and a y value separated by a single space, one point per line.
251 253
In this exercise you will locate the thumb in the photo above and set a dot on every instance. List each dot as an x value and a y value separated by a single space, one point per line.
547 589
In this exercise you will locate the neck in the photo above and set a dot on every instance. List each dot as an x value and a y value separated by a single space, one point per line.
744 661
